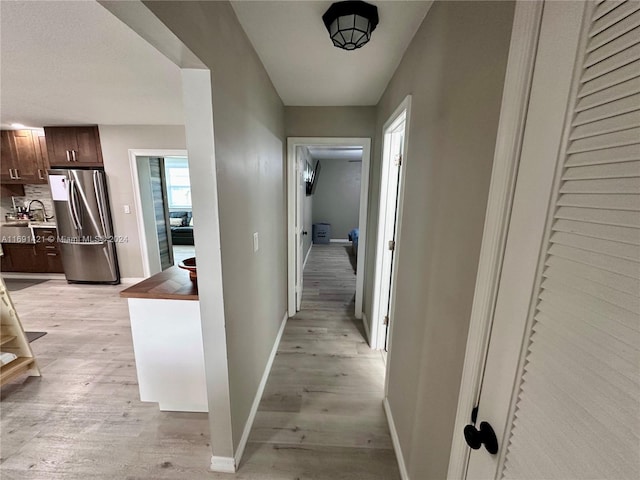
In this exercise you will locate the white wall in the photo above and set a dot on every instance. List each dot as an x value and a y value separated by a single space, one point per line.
116 141
337 196
454 69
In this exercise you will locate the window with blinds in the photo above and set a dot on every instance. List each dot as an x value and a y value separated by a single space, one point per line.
580 390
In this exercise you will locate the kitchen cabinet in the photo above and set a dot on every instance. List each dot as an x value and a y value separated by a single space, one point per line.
48 250
8 159
21 257
11 190
22 160
73 146
41 257
40 144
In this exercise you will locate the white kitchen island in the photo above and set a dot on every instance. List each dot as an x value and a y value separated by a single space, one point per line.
167 340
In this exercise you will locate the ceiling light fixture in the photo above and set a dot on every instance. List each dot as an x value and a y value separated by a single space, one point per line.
17 125
351 23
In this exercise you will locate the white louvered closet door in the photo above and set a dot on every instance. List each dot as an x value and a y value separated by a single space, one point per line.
573 407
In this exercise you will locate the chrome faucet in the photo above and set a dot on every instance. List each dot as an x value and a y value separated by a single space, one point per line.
44 210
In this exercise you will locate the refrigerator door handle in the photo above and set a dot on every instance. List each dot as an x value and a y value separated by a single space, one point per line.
74 205
97 185
70 205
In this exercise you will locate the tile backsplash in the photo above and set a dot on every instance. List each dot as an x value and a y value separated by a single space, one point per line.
31 192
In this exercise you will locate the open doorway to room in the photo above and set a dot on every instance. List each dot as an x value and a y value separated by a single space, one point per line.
162 193
327 193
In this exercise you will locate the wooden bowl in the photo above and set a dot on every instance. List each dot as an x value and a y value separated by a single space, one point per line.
190 265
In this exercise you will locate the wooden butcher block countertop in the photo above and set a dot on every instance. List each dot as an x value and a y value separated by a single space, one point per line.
171 284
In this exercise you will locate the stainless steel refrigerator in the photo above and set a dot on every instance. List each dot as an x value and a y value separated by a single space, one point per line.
85 231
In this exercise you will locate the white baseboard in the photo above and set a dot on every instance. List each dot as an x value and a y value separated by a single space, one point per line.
396 442
258 397
365 322
340 240
304 264
223 464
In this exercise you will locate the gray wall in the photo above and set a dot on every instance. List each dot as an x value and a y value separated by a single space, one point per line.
454 68
116 140
249 137
330 121
337 196
307 209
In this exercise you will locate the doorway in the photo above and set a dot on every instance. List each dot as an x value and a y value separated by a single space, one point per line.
162 199
301 172
389 218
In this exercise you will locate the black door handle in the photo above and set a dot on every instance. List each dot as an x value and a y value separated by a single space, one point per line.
485 436
304 232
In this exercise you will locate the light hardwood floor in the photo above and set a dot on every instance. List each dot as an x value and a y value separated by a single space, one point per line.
320 418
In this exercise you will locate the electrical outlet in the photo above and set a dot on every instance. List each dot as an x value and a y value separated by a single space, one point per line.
127 209
255 242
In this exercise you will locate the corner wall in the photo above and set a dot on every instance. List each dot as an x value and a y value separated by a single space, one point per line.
248 118
337 197
454 69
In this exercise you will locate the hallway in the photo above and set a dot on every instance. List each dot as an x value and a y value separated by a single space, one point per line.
323 399
321 416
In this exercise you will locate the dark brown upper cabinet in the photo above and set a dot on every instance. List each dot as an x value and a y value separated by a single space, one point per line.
73 146
22 159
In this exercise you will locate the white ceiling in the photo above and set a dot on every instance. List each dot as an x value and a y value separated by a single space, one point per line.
75 63
305 67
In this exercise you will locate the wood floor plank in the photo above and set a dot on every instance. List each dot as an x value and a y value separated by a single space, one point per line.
83 420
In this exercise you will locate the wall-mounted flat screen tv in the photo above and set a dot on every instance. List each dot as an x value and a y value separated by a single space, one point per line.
312 179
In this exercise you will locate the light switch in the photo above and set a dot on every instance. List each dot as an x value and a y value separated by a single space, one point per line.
255 242
127 209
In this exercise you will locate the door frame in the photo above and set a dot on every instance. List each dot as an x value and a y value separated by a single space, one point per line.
292 144
137 200
513 115
378 328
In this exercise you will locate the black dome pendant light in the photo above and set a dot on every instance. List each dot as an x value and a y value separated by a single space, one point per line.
351 23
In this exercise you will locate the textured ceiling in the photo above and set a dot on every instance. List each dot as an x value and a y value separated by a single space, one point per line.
305 67
75 63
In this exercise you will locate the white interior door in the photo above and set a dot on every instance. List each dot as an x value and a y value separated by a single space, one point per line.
561 386
388 223
391 223
300 165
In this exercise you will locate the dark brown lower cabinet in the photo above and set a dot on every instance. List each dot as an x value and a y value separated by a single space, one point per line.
21 257
42 257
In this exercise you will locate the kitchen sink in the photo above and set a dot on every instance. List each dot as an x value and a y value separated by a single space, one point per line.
10 233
